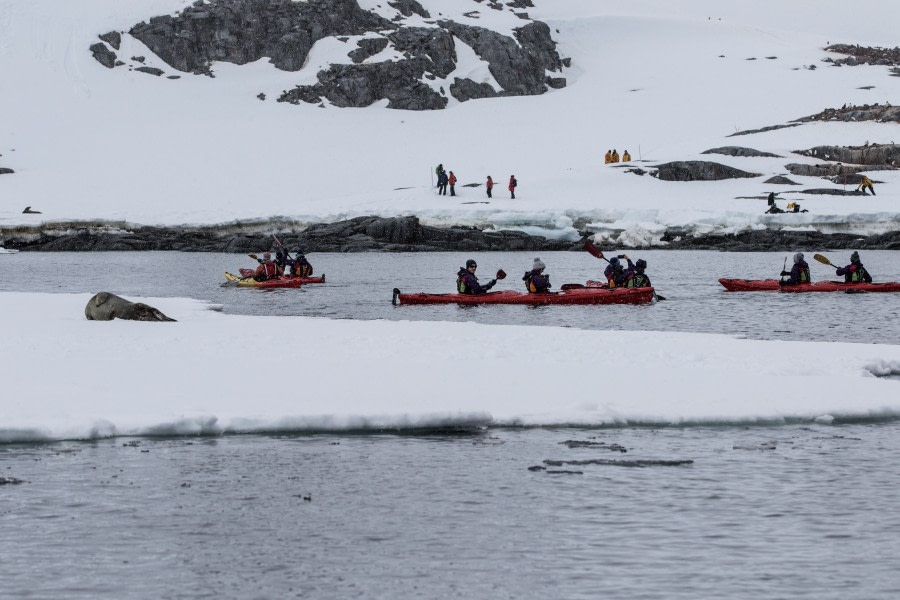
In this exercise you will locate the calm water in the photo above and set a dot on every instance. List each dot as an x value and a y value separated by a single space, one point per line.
359 287
762 512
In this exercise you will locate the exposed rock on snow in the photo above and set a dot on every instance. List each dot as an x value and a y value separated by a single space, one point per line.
698 170
739 151
780 180
104 55
243 31
113 38
862 55
884 155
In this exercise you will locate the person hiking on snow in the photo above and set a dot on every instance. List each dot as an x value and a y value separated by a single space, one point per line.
489 185
452 181
855 272
634 274
865 183
467 282
301 267
267 268
799 273
535 280
442 183
512 187
615 273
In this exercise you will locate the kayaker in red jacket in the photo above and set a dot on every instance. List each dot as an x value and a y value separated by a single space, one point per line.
467 283
799 273
855 272
267 268
535 280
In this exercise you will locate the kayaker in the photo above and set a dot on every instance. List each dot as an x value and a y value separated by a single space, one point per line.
635 276
280 262
301 267
535 280
467 283
855 272
615 273
798 274
266 269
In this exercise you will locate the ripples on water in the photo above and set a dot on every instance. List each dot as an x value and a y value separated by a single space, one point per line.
359 287
785 512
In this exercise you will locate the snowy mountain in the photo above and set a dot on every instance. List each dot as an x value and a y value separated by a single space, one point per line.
666 81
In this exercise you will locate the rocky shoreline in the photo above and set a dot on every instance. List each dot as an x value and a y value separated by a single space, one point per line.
394 234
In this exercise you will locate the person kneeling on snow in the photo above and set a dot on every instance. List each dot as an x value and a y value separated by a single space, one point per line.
267 268
799 273
855 272
467 283
634 274
615 273
301 267
535 280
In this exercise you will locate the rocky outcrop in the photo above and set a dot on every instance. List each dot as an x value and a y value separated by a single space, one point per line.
864 55
837 172
113 38
6 171
881 155
398 234
103 55
697 170
243 31
881 113
739 151
780 180
106 307
764 129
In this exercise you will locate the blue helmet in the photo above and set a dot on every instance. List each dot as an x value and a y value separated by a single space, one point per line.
614 260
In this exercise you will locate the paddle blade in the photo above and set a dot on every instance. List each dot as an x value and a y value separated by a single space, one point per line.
253 256
592 249
501 274
822 259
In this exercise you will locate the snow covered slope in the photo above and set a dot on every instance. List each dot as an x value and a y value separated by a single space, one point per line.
663 80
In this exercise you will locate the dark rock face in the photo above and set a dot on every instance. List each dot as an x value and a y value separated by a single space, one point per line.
764 129
5 171
739 151
103 55
780 180
836 172
874 154
696 170
242 31
884 113
399 234
113 38
150 70
862 55
106 307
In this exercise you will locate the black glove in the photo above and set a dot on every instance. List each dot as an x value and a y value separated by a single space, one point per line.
783 273
492 283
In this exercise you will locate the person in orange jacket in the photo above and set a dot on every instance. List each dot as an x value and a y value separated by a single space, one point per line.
452 181
512 186
615 156
608 158
626 157
489 185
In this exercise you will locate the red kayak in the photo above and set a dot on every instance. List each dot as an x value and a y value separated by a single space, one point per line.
278 282
576 296
299 280
772 285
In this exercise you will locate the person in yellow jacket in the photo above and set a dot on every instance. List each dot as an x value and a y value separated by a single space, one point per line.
615 156
626 157
608 158
865 183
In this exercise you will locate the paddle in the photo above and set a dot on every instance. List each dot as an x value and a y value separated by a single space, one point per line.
824 260
597 253
232 280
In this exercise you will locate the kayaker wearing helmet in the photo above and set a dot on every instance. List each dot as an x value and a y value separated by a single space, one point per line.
855 272
467 283
799 273
535 280
280 262
266 269
634 274
301 267
615 273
